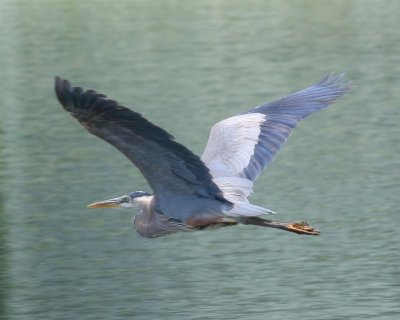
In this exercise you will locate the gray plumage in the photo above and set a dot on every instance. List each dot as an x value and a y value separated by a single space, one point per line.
192 193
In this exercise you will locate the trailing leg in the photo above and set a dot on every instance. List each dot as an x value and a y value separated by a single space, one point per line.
296 227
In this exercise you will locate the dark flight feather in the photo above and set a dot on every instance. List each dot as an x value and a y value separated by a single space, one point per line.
169 167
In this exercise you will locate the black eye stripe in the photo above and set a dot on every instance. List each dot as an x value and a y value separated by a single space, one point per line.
137 194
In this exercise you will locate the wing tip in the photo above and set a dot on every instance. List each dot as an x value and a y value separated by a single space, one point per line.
62 89
60 83
327 90
336 81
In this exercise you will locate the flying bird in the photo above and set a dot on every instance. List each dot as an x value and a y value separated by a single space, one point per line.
196 193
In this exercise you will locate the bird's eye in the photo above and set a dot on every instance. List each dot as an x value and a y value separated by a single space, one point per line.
127 199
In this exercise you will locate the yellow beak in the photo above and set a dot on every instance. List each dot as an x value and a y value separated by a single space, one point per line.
111 203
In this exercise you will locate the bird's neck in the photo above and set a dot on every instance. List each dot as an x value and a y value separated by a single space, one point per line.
144 202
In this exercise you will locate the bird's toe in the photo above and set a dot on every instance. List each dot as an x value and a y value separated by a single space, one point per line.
303 228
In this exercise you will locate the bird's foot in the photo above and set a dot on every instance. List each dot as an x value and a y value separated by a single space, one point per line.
302 227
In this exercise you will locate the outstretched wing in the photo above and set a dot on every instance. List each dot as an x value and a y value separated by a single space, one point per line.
169 167
242 146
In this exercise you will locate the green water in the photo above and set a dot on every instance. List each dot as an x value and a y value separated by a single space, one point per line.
186 65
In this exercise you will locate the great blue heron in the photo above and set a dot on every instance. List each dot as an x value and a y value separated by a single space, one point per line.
193 193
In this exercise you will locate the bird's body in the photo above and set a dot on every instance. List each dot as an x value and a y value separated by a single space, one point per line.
193 193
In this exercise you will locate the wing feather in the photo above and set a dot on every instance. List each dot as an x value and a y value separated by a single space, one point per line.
242 146
169 167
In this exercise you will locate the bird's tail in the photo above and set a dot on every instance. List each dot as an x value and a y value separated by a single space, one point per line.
248 210
236 190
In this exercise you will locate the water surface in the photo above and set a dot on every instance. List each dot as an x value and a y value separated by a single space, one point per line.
186 65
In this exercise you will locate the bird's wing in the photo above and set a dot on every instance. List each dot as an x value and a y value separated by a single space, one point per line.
169 167
243 145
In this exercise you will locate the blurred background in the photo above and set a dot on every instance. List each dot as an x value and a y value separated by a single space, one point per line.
186 65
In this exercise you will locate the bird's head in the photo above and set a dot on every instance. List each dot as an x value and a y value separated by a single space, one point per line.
130 200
